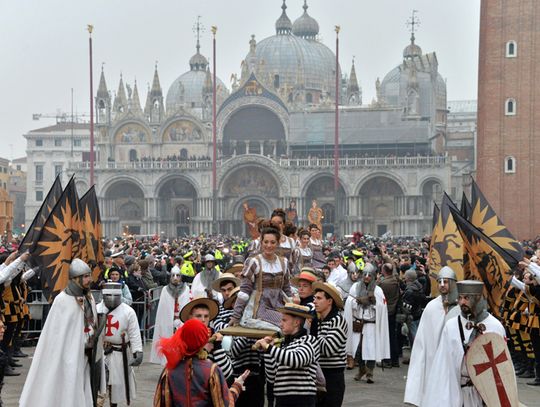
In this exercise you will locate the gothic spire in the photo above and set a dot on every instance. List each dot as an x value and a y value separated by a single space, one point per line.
120 101
353 81
102 91
135 101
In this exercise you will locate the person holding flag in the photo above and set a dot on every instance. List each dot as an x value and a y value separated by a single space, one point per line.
67 355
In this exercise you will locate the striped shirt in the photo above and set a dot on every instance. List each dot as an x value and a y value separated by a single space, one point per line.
332 337
242 356
222 319
294 366
223 360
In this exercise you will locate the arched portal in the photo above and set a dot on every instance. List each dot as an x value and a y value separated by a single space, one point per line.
252 184
124 207
321 190
379 207
177 204
254 129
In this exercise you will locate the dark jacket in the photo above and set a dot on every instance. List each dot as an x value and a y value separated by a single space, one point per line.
390 287
414 299
137 287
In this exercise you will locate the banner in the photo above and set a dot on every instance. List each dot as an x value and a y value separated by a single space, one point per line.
46 207
446 244
91 244
484 218
466 208
488 262
58 242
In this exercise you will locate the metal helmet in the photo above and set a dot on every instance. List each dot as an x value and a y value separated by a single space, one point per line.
176 277
370 269
112 295
478 305
447 272
352 269
208 258
78 268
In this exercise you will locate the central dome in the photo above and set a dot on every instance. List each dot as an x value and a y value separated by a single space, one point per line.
296 61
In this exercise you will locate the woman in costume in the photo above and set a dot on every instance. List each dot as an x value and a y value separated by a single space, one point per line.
286 244
265 285
302 255
316 245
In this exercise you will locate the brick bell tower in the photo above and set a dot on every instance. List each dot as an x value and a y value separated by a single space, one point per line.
508 141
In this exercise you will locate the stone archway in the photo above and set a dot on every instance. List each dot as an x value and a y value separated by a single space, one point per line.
123 208
253 184
321 189
379 207
176 206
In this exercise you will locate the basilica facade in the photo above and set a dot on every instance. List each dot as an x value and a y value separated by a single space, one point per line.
275 138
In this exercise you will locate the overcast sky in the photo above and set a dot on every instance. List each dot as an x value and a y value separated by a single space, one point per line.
44 46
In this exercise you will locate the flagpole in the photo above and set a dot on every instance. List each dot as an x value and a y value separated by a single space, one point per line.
214 135
336 137
90 29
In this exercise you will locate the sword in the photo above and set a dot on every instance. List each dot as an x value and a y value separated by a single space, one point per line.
126 367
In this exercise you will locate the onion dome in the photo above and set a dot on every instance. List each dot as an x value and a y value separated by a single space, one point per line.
306 26
283 23
412 50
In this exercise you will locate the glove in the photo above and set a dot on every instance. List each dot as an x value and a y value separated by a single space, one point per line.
137 359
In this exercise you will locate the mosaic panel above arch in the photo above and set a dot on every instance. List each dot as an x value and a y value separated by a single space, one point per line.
183 131
132 133
250 181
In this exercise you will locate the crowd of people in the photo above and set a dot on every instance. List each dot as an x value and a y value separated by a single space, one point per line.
276 320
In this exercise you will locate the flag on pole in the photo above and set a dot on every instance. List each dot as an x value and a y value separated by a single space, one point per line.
466 209
489 263
91 244
46 207
58 242
446 243
436 213
484 218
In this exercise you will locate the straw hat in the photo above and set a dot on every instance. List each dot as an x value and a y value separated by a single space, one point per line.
331 291
238 264
296 310
307 273
229 302
211 304
225 277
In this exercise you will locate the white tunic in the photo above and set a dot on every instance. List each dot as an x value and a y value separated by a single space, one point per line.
444 386
425 345
121 320
198 290
376 341
60 372
165 320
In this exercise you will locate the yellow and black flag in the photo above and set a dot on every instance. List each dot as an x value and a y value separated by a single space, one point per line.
484 218
91 244
446 244
58 242
488 262
436 213
466 208
46 207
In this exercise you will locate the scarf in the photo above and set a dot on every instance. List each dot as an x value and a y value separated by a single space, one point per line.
208 277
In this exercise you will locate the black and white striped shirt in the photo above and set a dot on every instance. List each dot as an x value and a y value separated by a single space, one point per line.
223 360
294 366
332 337
222 319
241 354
